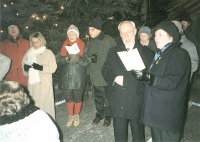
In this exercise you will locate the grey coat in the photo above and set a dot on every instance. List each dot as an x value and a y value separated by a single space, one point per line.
99 46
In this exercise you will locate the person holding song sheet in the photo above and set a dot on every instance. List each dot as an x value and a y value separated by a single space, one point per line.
126 100
72 77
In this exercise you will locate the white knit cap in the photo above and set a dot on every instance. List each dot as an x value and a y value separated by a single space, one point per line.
73 28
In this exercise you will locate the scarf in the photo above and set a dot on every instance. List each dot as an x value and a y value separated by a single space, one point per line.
31 56
79 42
26 111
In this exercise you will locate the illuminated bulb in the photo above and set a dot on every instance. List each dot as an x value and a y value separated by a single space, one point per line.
27 27
5 5
44 17
11 3
17 14
1 31
62 7
56 25
37 18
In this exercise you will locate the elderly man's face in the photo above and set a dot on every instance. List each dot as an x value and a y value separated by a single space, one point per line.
13 31
127 33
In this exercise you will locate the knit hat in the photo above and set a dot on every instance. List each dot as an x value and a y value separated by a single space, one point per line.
185 17
73 28
96 23
15 24
178 25
170 28
146 30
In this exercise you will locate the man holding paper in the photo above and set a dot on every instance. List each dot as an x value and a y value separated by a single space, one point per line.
125 99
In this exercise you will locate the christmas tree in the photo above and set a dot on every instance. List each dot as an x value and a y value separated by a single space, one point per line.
52 17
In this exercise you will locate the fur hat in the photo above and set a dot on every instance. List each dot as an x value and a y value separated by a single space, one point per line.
73 28
15 24
169 28
96 23
178 25
146 30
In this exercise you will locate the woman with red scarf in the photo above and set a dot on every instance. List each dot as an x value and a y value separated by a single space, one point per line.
72 75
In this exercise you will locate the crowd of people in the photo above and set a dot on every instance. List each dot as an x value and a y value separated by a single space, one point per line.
155 96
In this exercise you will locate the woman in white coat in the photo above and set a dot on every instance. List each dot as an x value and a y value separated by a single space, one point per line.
39 64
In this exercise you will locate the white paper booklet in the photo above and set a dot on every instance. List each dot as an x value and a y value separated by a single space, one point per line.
72 49
132 60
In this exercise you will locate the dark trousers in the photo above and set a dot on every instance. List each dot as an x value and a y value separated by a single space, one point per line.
101 101
120 126
164 136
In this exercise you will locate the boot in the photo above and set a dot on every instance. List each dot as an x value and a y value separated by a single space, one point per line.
76 120
70 120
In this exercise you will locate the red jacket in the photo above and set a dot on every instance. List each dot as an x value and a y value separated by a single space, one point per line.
15 51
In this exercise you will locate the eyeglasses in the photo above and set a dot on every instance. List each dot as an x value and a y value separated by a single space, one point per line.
124 33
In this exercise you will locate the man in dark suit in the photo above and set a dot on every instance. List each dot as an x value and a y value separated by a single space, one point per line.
126 99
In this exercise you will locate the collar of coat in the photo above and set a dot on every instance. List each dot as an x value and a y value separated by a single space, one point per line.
173 45
122 46
100 36
14 40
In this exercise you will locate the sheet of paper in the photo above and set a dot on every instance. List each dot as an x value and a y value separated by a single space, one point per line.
131 60
74 49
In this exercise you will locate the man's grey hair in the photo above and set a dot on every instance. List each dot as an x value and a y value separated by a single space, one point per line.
131 22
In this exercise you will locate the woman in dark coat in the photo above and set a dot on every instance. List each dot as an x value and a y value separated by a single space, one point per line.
72 74
166 90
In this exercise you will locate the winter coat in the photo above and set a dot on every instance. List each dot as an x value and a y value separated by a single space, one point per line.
191 36
42 92
72 76
99 46
165 99
125 101
4 65
191 49
15 51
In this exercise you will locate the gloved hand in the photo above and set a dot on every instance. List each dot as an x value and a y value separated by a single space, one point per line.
140 75
143 76
37 66
26 67
72 58
94 58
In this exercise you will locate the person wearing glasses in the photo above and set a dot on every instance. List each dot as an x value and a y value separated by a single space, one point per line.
98 47
126 92
14 47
